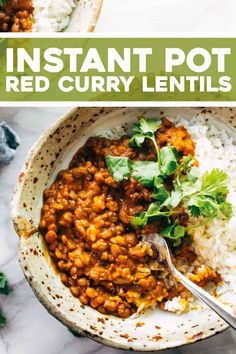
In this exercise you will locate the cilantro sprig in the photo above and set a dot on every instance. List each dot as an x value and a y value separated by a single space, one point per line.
2 2
144 171
119 167
210 199
145 129
4 289
2 320
174 182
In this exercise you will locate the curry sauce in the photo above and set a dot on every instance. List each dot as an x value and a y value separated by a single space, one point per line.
86 225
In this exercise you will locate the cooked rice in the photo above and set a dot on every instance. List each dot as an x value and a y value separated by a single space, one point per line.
215 241
52 16
177 305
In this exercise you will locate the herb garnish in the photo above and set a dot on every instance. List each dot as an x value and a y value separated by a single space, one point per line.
202 196
2 2
145 129
119 167
206 199
145 172
2 320
168 158
4 289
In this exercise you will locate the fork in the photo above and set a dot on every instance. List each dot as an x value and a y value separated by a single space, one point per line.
164 253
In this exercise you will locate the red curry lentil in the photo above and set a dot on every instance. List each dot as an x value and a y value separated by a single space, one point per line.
16 16
85 223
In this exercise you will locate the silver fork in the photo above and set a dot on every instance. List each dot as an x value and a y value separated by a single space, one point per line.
161 246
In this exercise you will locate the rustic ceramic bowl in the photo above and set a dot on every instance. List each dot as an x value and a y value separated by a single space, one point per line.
85 16
151 331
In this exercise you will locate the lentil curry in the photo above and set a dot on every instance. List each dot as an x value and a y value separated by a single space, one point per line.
86 223
16 16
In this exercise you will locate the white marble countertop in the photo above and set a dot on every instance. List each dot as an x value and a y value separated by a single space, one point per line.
30 329
167 16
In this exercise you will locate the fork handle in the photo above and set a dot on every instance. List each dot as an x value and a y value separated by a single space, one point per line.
205 297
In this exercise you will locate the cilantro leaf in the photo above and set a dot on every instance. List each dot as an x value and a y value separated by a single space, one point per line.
154 211
207 207
186 163
167 231
194 211
168 160
2 2
226 209
214 182
174 199
173 231
119 167
144 172
2 320
220 198
4 288
209 199
136 140
185 169
192 176
201 199
147 126
160 193
179 231
178 241
139 221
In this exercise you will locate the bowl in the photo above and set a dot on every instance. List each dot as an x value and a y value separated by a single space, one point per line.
151 331
85 16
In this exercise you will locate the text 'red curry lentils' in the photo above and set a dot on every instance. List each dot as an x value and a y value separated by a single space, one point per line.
86 225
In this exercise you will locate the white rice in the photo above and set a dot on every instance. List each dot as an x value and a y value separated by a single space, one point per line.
176 305
52 15
215 241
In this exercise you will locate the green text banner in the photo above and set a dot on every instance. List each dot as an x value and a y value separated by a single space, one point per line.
117 69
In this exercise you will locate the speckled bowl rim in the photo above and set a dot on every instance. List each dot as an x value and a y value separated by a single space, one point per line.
96 16
114 344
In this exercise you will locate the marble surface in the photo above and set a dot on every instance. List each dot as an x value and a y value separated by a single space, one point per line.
30 329
167 16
